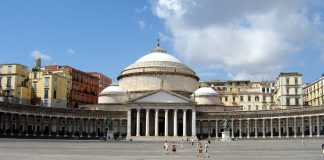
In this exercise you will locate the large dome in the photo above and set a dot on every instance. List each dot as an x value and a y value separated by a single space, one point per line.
158 57
157 70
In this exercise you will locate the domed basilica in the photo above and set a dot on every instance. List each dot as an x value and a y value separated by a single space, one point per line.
161 95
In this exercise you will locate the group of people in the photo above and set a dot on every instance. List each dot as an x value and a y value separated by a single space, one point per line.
200 147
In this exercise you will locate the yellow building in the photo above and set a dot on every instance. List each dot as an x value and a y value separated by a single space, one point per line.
15 86
51 89
249 95
314 93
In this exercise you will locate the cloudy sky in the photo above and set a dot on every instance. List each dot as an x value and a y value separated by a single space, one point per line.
232 39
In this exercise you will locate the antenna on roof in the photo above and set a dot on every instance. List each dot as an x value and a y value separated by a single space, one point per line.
158 40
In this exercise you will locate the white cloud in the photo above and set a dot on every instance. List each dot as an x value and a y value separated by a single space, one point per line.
140 10
38 54
141 24
71 51
254 39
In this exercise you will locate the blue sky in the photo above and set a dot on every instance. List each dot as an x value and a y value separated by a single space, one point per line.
217 39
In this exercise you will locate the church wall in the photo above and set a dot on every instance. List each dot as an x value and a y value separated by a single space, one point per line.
154 82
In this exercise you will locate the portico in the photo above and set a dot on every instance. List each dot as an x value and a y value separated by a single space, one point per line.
161 115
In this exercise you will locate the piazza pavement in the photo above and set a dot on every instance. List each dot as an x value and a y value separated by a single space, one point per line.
49 149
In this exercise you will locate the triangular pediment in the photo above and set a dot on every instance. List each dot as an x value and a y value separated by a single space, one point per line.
162 97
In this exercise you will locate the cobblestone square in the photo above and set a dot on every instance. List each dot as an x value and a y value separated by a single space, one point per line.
30 149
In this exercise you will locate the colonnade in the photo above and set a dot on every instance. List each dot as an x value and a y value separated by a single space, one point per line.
14 124
161 113
292 126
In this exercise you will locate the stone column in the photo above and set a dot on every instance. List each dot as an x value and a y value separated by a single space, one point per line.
96 125
271 127
248 128
18 124
303 127
279 126
138 122
73 127
263 128
310 127
89 125
147 124
256 128
184 117
295 127
11 124
120 122
57 126
318 126
216 129
49 126
240 128
166 122
201 128
42 126
156 122
193 123
287 127
175 123
233 128
209 129
129 122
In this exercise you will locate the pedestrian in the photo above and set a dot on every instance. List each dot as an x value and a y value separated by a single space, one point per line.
199 149
323 149
208 141
174 148
192 141
303 143
166 147
181 144
206 148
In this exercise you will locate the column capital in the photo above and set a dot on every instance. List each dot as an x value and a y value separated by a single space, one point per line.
156 109
184 110
138 109
147 109
166 110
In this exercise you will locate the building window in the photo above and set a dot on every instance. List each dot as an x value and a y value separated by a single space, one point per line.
34 87
233 99
287 80
288 101
35 75
9 69
249 98
8 81
249 107
263 98
0 68
287 91
264 107
296 80
225 99
256 107
263 90
46 94
54 94
296 90
257 98
46 82
0 81
297 101
241 98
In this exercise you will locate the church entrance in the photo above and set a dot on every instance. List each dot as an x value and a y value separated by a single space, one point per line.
161 128
180 127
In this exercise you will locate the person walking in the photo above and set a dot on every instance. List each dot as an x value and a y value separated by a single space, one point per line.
323 150
181 144
174 148
199 149
206 148
192 141
166 147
